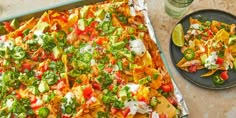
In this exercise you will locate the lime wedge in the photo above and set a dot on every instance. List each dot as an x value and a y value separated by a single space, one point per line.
178 35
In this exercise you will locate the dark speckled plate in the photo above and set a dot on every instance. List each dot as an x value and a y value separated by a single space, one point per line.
176 55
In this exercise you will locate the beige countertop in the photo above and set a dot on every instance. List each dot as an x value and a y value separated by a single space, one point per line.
202 103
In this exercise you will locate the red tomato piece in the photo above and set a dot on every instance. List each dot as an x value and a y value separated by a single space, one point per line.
35 58
163 116
166 88
108 69
26 66
44 68
143 99
113 60
192 68
99 41
44 55
120 81
52 57
39 76
18 96
65 116
1 70
87 92
172 100
224 75
77 30
171 86
125 112
7 26
118 74
33 99
63 18
111 87
20 34
94 24
219 61
61 85
114 110
96 86
35 105
210 33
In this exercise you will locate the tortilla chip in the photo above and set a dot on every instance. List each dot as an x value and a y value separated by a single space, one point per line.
165 107
209 73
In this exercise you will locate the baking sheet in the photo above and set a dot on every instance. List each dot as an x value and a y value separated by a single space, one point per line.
140 5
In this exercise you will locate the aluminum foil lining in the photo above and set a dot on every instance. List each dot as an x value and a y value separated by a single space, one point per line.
141 5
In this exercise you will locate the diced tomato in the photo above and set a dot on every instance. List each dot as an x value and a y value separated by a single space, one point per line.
166 87
77 30
172 100
18 96
33 99
163 116
125 112
92 36
35 58
111 87
108 69
94 24
44 56
39 76
219 61
52 57
120 81
118 74
61 85
87 92
35 105
20 34
90 14
45 19
143 99
192 68
1 70
171 86
65 116
99 41
118 77
224 75
88 30
209 32
63 18
114 110
26 66
96 86
7 26
113 60
44 68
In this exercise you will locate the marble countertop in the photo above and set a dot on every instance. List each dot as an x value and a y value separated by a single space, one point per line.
202 103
